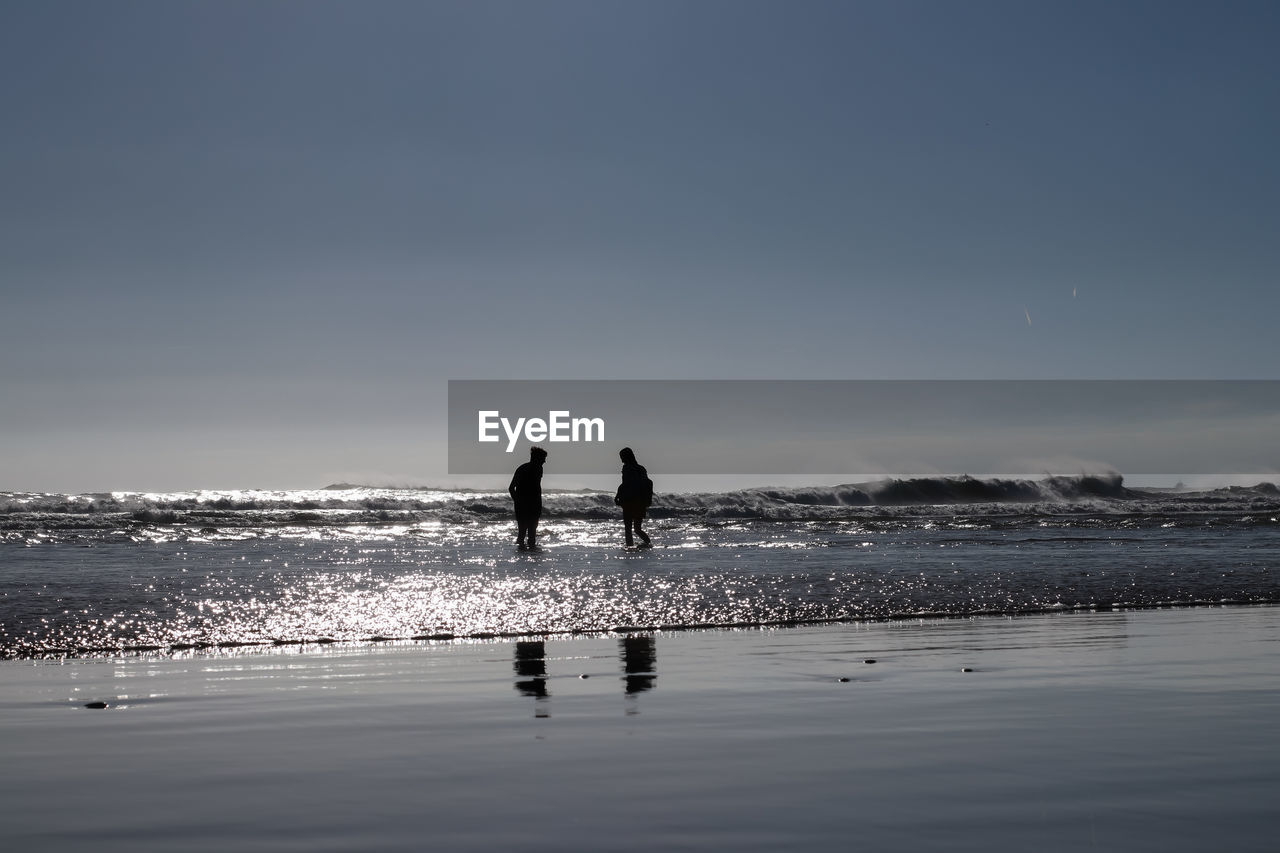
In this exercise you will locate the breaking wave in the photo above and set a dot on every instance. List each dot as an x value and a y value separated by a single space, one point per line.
350 504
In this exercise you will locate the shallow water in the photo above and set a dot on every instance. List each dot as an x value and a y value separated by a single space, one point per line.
87 574
175 585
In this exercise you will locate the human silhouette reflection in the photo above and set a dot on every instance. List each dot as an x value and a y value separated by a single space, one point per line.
639 665
530 666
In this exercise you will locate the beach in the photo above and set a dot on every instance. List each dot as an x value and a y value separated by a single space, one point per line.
1112 730
632 427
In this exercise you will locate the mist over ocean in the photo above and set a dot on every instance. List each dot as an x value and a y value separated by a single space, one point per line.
97 573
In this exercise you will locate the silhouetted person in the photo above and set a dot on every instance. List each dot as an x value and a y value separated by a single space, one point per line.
526 491
634 495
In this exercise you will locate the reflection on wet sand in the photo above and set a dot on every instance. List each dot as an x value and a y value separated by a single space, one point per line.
531 669
639 663
639 658
639 667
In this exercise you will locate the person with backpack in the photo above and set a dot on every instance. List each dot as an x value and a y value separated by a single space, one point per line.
634 495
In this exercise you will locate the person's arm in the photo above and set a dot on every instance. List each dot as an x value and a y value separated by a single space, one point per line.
511 489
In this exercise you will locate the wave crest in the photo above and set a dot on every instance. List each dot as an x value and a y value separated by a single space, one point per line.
1105 494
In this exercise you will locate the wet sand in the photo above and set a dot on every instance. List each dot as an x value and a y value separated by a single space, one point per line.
1149 730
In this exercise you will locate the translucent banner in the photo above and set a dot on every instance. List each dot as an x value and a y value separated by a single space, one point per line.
869 428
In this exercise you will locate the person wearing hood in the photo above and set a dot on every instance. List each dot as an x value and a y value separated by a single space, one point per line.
634 495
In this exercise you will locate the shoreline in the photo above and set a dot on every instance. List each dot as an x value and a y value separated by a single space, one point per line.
163 651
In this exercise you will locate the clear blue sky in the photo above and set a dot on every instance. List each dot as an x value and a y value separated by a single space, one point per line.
246 243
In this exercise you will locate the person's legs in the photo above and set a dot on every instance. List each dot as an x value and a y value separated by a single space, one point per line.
526 528
637 515
633 517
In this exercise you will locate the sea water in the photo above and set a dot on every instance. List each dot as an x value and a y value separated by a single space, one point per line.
99 573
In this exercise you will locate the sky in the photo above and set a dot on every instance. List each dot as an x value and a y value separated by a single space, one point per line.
246 244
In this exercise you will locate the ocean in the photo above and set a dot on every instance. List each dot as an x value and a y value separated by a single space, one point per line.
97 574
